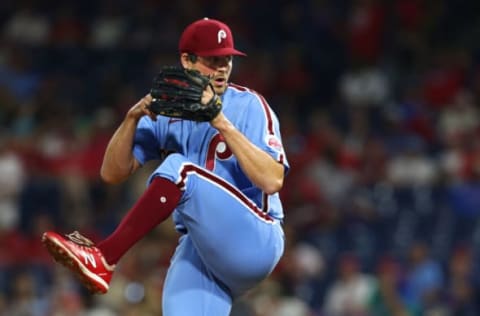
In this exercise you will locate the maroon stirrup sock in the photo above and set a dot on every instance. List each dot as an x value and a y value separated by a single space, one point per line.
153 207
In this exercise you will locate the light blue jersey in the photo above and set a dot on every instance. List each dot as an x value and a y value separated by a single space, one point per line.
203 145
232 230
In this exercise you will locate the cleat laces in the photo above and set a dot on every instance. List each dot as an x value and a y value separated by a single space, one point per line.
80 240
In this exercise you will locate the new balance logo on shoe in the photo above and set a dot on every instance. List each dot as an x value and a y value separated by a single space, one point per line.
88 257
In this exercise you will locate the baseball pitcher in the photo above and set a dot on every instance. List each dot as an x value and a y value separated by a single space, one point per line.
220 182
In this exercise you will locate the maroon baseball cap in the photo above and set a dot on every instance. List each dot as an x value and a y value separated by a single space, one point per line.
208 37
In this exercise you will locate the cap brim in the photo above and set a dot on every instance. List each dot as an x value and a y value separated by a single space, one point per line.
221 52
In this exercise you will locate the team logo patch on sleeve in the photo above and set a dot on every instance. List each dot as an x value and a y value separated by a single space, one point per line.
274 143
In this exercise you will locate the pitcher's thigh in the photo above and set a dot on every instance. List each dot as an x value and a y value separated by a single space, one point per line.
234 238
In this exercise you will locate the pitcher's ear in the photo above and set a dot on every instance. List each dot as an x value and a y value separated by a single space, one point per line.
186 58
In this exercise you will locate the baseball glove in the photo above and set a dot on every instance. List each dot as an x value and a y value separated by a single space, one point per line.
177 92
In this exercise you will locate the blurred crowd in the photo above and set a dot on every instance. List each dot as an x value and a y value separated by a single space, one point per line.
379 107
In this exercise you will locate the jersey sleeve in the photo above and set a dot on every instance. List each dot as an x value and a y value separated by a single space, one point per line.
146 145
263 129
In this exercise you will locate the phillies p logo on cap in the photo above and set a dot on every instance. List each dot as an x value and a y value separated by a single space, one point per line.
221 35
